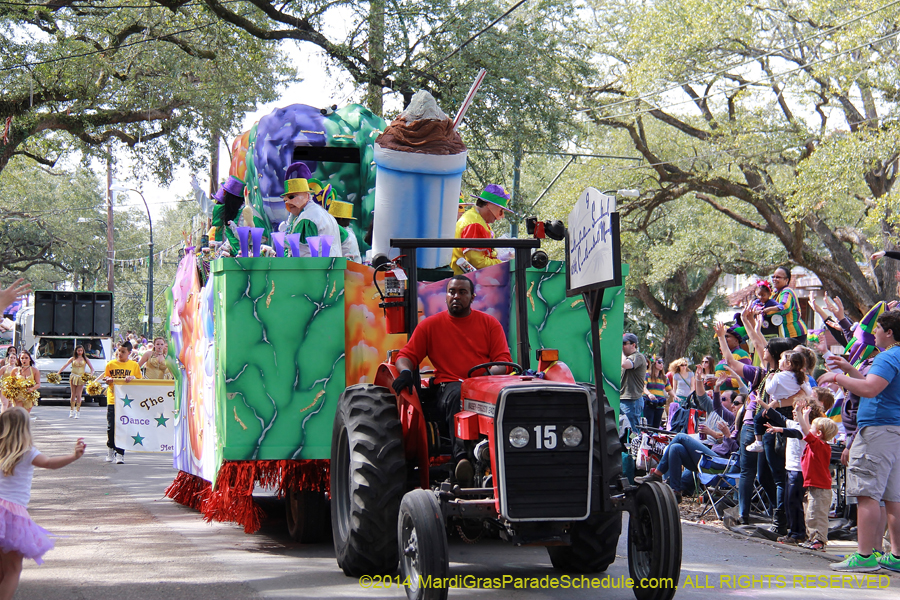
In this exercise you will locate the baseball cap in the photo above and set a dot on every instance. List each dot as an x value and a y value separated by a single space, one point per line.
630 338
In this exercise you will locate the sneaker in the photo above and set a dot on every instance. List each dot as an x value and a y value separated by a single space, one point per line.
120 460
755 447
653 475
110 454
71 413
889 561
77 414
857 564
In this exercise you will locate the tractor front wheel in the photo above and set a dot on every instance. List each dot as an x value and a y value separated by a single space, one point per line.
654 542
424 557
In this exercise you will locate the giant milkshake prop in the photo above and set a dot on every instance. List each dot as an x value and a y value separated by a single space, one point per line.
420 159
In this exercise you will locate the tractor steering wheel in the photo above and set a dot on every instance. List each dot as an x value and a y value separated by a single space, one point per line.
517 369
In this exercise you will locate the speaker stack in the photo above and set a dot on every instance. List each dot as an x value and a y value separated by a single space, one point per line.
73 313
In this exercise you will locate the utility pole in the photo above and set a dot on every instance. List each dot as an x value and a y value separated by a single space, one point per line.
110 253
517 172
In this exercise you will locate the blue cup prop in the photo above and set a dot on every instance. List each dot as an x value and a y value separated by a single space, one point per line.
243 235
294 243
278 243
256 234
320 245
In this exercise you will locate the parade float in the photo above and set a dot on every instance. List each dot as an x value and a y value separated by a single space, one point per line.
264 346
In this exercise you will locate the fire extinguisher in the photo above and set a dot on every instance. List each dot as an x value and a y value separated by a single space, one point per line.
393 298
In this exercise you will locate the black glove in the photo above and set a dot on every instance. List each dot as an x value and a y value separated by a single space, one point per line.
404 381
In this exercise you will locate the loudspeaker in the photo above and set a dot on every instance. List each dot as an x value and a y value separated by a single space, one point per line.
64 313
84 313
43 313
103 314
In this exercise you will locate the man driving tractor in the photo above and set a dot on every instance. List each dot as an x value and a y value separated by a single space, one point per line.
454 341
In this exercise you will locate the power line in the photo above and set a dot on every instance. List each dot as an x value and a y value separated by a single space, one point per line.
472 38
749 83
754 59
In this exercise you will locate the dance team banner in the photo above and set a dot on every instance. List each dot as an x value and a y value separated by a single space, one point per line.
145 415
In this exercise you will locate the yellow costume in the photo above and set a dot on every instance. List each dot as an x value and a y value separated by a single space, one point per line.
77 375
28 400
156 368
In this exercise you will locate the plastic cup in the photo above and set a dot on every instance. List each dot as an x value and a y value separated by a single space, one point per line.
256 234
243 235
294 243
416 196
278 243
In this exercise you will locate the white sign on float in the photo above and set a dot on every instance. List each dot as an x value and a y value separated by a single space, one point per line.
592 255
145 415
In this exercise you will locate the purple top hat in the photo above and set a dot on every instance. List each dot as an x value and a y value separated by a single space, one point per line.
298 170
234 186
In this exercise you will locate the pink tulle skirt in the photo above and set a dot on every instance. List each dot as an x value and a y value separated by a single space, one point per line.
18 533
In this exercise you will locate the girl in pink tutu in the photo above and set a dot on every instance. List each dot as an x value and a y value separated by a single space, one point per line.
20 537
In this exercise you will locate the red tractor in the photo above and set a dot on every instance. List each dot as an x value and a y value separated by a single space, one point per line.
548 471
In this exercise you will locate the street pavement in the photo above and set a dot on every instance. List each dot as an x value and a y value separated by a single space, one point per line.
119 538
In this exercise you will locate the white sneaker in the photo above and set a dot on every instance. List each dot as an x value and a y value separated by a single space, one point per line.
110 454
120 460
71 413
77 414
755 447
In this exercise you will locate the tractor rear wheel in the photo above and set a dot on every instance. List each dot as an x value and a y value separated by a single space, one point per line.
595 539
368 476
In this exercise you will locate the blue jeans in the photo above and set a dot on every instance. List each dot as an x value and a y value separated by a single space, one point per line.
793 504
683 452
653 414
633 410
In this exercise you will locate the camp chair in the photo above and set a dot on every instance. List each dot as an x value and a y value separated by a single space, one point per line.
718 479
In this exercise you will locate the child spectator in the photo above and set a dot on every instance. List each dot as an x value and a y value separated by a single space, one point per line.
780 388
817 477
793 486
763 301
20 537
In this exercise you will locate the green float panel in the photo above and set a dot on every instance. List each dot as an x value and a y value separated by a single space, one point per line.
280 343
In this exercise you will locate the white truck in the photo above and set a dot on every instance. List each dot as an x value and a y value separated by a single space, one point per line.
52 352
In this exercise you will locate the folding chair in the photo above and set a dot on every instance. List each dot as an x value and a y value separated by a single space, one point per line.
718 481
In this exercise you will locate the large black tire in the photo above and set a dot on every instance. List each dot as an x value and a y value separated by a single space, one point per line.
422 538
654 542
368 476
306 513
594 540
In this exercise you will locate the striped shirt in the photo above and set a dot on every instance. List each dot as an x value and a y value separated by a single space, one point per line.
658 386
793 326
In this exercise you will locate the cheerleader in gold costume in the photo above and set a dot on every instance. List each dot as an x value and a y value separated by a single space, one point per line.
154 361
80 363
11 362
28 398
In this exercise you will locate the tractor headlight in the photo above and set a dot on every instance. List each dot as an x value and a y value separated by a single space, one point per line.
519 437
572 436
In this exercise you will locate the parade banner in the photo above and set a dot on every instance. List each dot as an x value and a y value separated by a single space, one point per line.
145 415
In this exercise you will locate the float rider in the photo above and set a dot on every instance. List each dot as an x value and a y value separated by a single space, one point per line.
342 213
229 200
475 223
455 341
307 218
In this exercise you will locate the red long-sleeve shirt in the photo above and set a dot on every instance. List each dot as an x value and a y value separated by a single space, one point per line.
456 344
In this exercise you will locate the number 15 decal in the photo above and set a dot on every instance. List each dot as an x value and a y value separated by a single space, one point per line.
548 439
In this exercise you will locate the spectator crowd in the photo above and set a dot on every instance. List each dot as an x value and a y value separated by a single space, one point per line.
786 410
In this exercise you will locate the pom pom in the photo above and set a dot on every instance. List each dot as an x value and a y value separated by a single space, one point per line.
54 378
94 388
87 377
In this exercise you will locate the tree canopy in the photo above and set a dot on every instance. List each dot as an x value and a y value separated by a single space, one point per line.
80 75
780 117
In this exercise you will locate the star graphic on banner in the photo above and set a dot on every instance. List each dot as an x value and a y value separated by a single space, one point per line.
138 439
161 420
127 401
